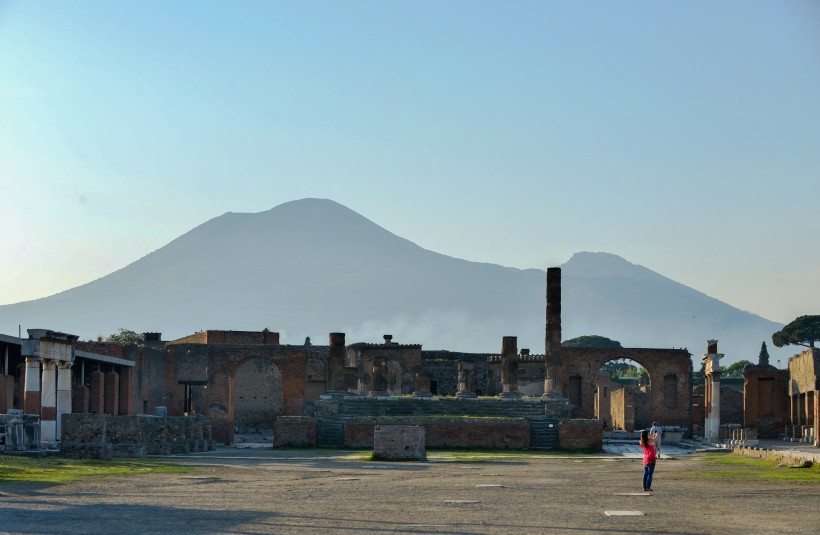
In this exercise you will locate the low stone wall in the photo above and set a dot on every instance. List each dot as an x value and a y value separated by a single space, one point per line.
294 431
447 432
786 456
581 434
103 436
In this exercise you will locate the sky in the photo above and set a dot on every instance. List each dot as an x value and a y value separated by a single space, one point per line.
682 136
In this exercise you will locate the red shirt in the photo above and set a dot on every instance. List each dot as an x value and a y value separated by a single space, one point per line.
648 454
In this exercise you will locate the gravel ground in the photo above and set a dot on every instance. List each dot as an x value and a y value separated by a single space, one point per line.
264 491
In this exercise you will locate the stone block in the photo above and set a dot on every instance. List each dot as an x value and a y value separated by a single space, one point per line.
399 442
294 431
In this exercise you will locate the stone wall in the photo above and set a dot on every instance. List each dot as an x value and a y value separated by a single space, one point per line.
445 432
581 435
294 431
102 436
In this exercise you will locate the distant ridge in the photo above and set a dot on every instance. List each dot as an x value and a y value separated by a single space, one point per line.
312 266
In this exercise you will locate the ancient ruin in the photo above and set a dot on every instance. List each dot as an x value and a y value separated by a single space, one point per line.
240 386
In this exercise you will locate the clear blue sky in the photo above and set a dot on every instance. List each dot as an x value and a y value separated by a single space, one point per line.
682 136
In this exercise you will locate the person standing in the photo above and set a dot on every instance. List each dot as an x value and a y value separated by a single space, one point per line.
648 446
658 432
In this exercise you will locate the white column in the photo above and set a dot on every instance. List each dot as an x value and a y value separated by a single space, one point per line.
48 401
31 395
63 391
714 410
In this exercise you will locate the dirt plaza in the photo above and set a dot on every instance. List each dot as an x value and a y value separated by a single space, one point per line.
329 491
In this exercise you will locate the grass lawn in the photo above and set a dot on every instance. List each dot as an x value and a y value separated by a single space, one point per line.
739 468
61 470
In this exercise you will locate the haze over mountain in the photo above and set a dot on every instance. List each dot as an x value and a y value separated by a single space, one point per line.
313 266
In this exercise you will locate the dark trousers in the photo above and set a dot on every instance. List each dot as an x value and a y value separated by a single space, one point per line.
648 469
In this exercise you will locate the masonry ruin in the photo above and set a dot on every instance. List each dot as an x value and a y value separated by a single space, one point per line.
228 387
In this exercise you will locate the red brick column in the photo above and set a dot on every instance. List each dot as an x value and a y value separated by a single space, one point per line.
6 393
112 393
97 402
128 401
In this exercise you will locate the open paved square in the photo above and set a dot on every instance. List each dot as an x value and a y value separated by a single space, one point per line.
320 491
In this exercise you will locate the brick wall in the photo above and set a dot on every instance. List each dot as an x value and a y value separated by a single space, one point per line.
448 432
766 400
111 349
6 393
294 431
230 337
581 435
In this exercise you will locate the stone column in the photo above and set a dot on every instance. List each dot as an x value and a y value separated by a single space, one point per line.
711 428
466 380
509 367
31 394
552 354
336 363
63 392
48 402
422 385
379 377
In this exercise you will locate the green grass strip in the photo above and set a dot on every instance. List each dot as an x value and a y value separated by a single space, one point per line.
61 470
728 467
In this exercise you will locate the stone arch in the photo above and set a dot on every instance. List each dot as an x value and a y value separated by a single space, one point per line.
658 363
223 362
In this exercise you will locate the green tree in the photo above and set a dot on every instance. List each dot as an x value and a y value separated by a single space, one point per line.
591 341
804 331
763 358
126 336
736 369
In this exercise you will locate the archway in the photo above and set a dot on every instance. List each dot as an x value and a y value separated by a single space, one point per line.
256 400
667 390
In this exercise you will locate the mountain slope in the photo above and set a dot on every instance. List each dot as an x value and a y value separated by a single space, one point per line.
309 267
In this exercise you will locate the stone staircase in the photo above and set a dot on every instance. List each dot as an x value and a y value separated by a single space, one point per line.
543 432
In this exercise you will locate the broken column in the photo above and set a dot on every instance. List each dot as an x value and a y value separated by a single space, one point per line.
552 354
509 367
466 380
336 364
379 377
422 386
711 360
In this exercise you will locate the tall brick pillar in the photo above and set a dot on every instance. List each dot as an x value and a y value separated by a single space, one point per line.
552 353
509 367
31 394
336 363
112 393
128 402
96 403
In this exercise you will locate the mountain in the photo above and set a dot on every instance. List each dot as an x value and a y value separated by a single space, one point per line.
313 266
